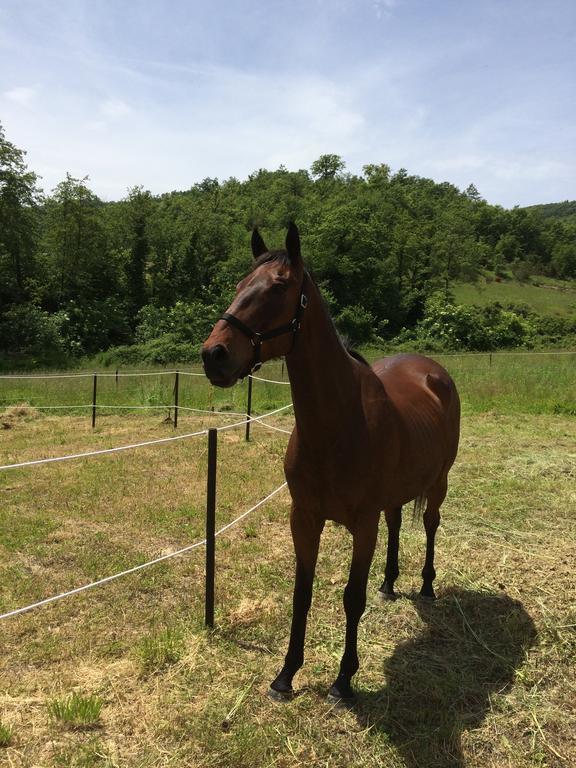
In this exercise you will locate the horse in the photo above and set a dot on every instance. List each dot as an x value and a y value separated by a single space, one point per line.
366 438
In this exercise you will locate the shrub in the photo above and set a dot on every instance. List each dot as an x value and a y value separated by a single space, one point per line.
161 351
356 324
448 326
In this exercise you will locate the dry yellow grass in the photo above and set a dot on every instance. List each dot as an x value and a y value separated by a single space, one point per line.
482 678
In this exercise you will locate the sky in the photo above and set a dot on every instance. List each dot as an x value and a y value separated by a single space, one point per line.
165 94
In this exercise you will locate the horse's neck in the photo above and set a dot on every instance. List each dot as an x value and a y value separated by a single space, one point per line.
325 391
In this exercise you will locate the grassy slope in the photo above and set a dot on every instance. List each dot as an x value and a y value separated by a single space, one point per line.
549 297
483 678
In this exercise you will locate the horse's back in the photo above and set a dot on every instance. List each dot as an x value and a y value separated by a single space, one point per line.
425 400
406 376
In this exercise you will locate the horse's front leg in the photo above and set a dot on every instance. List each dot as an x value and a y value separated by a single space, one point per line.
306 532
354 603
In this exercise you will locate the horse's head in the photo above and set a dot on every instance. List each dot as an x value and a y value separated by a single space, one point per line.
264 317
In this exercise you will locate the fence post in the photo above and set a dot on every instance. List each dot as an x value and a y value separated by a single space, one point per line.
116 378
94 384
249 408
176 387
490 359
210 526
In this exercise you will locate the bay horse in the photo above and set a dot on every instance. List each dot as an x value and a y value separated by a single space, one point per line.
366 438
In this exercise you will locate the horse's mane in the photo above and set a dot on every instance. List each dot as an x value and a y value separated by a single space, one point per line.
353 353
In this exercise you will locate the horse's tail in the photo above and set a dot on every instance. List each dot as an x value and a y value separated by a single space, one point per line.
419 507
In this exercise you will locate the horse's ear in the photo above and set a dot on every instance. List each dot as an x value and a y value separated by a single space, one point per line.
258 245
293 243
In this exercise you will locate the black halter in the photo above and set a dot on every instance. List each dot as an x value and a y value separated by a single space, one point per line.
257 338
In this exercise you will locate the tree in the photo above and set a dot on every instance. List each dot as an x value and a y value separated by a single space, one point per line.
327 167
139 211
19 198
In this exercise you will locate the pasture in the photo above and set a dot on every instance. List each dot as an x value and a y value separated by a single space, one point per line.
546 297
126 675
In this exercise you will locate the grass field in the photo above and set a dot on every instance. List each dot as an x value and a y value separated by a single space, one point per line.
506 382
548 297
125 675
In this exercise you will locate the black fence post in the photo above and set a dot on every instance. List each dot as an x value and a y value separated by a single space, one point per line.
249 408
116 378
210 526
176 387
490 359
94 385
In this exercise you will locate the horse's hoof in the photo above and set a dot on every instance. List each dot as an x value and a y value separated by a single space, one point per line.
340 702
427 596
387 596
280 695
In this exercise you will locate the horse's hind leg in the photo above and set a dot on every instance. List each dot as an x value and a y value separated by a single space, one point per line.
435 496
393 521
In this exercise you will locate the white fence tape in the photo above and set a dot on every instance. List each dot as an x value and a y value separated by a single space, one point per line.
269 381
107 579
157 441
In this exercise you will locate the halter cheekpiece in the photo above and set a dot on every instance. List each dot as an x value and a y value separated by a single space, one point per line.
258 337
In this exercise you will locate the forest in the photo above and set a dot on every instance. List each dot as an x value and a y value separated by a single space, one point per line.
141 280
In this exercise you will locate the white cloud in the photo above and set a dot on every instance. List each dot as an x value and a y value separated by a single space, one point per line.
22 95
114 109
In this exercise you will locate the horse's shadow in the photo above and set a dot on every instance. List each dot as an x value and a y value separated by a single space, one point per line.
439 684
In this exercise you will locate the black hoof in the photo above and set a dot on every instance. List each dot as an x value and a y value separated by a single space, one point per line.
386 596
427 594
335 699
280 695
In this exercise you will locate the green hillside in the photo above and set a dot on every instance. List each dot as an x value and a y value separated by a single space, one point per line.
565 210
542 295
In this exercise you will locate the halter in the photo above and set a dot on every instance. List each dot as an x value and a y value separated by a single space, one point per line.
258 337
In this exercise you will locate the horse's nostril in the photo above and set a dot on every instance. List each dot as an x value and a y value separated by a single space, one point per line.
214 358
218 353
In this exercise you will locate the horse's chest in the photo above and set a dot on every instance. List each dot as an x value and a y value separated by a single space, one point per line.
331 481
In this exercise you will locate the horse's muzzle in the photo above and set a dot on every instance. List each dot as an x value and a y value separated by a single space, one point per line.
218 366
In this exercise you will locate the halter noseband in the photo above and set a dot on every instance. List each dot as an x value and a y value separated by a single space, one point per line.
258 337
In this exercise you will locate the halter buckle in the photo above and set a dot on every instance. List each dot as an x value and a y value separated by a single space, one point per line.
303 301
256 339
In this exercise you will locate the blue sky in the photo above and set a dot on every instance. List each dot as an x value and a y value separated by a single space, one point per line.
165 94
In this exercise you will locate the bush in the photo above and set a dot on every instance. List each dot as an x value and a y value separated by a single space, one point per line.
26 330
356 324
186 322
450 327
161 351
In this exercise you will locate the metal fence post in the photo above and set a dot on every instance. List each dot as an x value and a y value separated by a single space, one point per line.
249 408
94 384
210 527
176 387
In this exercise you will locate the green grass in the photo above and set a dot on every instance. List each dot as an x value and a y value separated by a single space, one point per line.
547 297
6 734
161 649
76 710
483 678
504 382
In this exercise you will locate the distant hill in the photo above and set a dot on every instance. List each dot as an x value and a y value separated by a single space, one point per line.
541 294
565 210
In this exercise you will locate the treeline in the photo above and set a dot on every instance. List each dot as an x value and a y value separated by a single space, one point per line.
144 278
